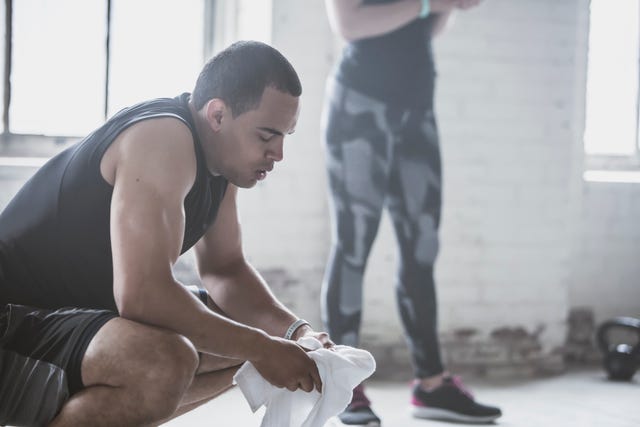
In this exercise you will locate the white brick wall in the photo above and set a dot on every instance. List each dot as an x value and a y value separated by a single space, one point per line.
606 272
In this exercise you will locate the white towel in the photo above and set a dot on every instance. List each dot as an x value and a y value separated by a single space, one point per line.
340 369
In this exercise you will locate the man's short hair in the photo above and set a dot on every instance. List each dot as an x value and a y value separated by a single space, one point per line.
239 75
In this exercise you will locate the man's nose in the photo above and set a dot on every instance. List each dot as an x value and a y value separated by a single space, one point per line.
276 150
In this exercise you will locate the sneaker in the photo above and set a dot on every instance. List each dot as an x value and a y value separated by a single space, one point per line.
451 401
359 412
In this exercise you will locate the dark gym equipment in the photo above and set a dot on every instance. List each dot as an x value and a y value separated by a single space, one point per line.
620 360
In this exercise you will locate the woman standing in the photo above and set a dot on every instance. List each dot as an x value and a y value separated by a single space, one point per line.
383 150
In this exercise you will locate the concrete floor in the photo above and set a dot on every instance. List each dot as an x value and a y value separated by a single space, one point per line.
580 399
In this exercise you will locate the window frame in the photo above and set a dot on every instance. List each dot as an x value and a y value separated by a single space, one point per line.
612 162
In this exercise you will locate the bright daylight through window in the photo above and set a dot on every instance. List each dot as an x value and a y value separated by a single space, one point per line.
59 61
612 79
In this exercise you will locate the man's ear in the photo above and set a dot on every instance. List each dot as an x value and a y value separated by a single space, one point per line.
215 112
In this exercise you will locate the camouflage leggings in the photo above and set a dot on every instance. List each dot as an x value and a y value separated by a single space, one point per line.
380 155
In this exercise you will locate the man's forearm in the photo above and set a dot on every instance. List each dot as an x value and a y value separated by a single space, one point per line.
245 297
171 306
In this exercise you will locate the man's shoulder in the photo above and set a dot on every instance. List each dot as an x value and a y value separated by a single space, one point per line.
157 137
163 146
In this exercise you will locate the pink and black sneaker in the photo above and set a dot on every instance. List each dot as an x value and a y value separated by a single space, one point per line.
359 412
451 401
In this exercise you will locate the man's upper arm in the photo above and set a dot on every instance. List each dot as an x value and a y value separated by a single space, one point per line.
155 168
221 246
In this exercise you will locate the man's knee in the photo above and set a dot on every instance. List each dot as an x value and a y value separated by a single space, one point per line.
171 365
173 359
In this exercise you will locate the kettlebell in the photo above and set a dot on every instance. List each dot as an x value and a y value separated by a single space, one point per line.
621 361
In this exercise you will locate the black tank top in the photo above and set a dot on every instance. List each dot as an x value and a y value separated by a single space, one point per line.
55 245
396 67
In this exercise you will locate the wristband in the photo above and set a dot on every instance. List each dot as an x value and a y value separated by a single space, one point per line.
425 9
294 326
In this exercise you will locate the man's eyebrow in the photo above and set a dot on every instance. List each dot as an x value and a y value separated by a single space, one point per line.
274 131
271 130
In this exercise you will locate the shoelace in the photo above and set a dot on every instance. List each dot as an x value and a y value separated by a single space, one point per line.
456 381
359 399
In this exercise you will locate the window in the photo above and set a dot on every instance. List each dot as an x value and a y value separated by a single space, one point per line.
75 62
57 67
156 49
612 78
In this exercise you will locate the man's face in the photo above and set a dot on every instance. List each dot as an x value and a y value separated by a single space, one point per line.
250 144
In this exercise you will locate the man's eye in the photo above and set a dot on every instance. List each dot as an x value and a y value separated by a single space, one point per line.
265 138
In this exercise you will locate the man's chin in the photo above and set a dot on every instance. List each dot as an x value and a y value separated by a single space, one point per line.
244 183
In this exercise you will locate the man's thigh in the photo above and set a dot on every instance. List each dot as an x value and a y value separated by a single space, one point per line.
124 351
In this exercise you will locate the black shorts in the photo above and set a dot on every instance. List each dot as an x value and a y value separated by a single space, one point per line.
41 355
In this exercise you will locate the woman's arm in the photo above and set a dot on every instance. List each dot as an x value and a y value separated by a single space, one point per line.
353 20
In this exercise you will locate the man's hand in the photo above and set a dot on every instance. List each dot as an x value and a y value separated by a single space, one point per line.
306 331
285 364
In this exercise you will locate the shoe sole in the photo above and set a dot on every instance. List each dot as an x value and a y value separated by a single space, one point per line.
443 414
335 422
371 424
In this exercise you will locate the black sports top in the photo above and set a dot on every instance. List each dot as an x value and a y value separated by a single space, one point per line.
55 245
396 67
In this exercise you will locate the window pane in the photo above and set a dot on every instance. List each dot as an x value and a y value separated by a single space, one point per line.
612 81
156 49
58 66
254 20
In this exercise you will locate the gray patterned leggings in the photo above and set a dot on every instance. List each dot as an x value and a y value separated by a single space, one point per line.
380 155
